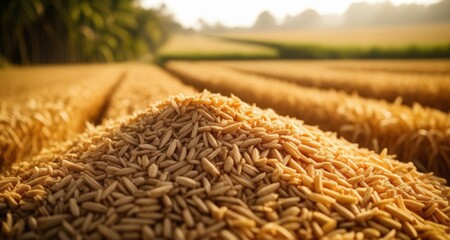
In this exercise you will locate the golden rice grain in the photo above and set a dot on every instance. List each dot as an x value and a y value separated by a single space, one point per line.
399 213
209 167
267 189
343 211
187 182
232 127
94 207
74 207
320 198
153 170
346 199
72 166
108 233
171 148
125 171
159 191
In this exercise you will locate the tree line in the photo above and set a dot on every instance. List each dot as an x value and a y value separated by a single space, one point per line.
359 14
73 31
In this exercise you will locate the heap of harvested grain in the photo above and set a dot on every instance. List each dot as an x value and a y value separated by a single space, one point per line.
213 167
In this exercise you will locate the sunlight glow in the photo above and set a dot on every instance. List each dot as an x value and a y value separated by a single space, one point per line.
243 13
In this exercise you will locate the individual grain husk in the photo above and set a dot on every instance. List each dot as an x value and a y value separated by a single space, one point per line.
255 175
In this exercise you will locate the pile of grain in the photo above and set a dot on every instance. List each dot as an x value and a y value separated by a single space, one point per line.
52 112
415 134
208 167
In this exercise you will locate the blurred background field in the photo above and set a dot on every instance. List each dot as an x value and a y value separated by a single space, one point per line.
417 41
43 32
424 34
199 47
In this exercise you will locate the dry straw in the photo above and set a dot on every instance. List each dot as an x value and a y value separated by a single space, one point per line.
38 115
415 134
426 82
327 189
144 84
41 116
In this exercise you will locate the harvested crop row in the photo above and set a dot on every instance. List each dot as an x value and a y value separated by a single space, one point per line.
143 85
416 134
51 113
431 90
379 38
428 66
209 167
19 83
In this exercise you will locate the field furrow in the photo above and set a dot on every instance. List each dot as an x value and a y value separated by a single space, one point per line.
143 85
414 134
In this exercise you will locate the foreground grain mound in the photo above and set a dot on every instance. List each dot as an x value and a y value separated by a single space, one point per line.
208 167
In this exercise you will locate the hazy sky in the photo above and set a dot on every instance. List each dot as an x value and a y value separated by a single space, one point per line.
244 12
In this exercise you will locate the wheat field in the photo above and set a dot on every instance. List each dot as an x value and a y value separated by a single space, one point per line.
427 83
36 114
424 34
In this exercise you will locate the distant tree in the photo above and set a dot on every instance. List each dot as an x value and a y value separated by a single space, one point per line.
219 27
385 14
438 12
306 19
359 14
265 21
376 14
409 14
204 26
331 20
